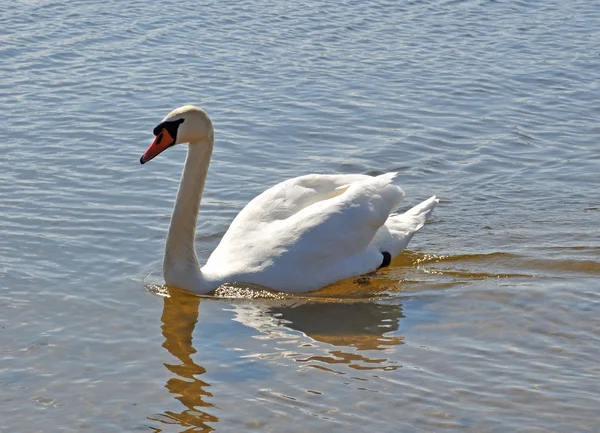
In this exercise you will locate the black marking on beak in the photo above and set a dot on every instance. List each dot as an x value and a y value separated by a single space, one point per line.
169 125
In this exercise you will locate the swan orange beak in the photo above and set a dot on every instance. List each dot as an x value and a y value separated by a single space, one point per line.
162 141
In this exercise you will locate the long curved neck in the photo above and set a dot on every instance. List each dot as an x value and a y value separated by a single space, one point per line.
180 265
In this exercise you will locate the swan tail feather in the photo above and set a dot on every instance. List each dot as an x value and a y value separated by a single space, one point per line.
401 227
423 209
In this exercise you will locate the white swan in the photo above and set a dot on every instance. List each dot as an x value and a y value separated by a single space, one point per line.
297 236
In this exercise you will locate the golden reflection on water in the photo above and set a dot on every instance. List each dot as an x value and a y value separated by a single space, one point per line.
339 330
349 325
362 325
180 315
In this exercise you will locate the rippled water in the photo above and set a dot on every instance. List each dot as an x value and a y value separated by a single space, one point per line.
490 323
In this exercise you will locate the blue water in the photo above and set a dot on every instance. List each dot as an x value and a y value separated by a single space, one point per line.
489 322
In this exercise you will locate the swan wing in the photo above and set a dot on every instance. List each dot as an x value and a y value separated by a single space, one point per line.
289 197
286 199
310 229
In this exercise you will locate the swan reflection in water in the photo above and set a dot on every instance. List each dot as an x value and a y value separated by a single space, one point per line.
337 332
180 314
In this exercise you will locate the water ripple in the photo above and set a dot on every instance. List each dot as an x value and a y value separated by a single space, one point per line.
488 323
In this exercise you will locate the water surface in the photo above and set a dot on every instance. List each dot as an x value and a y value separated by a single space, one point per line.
489 323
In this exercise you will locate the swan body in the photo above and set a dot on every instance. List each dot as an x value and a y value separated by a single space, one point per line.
298 236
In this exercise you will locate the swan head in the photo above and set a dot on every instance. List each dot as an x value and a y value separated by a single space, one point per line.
187 124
